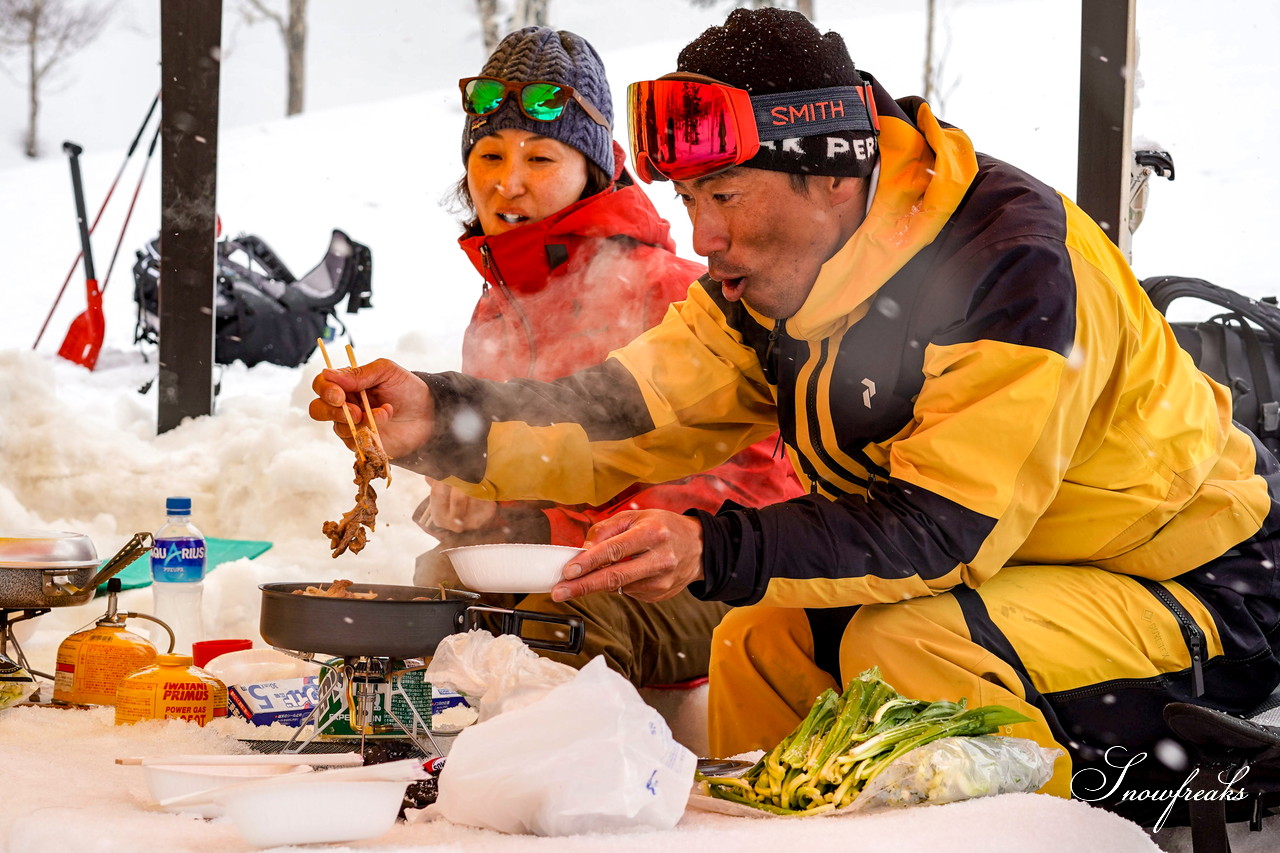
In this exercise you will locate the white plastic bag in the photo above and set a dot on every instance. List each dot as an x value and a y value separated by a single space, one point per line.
589 756
495 674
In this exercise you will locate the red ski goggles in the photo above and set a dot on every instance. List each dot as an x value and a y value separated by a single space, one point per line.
540 100
685 126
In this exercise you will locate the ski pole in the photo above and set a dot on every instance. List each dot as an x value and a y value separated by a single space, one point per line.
151 149
76 263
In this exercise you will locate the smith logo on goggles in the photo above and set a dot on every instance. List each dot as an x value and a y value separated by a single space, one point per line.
689 126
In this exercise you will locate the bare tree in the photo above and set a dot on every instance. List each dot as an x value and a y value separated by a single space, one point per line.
935 61
931 11
293 30
46 32
531 13
496 23
489 27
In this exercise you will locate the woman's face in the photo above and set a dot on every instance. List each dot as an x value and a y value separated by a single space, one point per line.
516 177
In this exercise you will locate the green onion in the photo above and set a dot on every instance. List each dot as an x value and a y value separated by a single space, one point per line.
845 741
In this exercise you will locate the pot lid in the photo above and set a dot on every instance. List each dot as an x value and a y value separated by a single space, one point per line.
30 549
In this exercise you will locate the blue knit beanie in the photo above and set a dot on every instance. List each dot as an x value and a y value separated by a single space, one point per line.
541 53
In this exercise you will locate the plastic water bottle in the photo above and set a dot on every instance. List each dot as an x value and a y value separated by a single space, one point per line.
177 577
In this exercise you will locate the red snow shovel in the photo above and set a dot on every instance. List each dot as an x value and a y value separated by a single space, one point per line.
84 338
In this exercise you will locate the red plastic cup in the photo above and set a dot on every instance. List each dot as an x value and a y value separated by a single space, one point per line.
206 650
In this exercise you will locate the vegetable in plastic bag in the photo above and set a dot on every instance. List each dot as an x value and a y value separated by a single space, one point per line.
16 684
846 741
959 768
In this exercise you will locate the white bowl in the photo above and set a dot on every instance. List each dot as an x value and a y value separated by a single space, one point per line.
279 815
511 567
168 781
347 804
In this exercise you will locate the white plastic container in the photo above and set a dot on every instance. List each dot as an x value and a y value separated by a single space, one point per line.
169 781
280 815
253 666
348 804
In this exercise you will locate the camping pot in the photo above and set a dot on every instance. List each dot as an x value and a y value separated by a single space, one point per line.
39 569
402 622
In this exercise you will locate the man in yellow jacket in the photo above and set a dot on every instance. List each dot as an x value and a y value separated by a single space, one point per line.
1021 491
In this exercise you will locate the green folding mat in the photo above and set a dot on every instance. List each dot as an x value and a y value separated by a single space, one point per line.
217 551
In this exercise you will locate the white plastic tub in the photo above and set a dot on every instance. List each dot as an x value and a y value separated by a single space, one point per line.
281 815
171 781
325 806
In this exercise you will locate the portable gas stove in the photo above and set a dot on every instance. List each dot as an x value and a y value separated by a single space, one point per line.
374 705
373 654
9 639
371 699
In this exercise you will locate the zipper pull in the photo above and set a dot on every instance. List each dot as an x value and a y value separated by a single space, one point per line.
773 338
491 266
488 268
1195 644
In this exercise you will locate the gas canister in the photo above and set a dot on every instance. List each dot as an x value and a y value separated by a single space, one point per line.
171 689
92 662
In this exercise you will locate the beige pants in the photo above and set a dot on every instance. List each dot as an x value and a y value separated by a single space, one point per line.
649 644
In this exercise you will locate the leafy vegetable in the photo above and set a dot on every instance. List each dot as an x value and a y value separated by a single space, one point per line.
15 683
846 740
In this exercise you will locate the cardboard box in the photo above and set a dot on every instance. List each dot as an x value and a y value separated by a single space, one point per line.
412 698
289 701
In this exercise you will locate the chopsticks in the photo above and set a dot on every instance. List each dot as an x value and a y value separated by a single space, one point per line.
405 769
368 410
350 423
331 759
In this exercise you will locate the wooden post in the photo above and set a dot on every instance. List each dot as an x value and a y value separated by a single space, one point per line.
190 45
1108 61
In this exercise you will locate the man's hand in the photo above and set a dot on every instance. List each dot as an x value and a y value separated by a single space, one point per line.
650 554
453 510
401 403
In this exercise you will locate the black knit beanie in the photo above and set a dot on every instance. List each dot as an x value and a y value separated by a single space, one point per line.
768 51
541 53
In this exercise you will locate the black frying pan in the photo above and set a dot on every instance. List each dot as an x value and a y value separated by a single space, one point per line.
392 625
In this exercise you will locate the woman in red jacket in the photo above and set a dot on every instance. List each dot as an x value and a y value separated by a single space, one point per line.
575 262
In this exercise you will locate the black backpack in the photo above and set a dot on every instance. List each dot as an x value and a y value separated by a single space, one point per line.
262 312
1234 774
1236 348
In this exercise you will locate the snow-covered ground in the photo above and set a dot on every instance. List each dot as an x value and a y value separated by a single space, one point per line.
375 153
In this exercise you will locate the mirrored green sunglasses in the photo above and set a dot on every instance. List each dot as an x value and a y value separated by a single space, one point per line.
540 100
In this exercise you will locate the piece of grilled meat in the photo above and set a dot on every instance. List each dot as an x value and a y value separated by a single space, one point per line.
350 534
